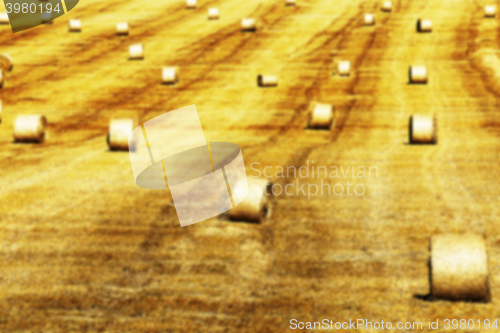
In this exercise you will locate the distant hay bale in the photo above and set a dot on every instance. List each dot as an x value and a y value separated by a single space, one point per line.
387 6
213 13
6 62
191 4
170 75
267 80
344 68
75 26
289 2
30 128
424 25
490 11
4 18
2 78
256 206
418 74
118 133
459 268
122 29
423 130
47 17
320 115
369 19
248 24
136 51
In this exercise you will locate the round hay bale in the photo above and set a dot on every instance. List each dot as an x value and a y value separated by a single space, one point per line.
459 268
424 25
30 128
4 18
170 75
122 29
190 4
213 13
47 18
344 68
248 24
118 133
256 206
423 129
387 6
6 62
321 115
267 80
75 26
136 51
369 19
289 2
490 11
418 74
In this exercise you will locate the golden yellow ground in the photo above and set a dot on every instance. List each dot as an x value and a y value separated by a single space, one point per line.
82 248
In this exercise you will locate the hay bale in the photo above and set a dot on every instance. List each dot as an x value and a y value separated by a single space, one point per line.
75 26
122 29
369 19
118 133
191 4
387 6
423 129
459 268
289 2
4 18
321 115
418 74
248 24
424 25
30 128
256 206
170 75
6 62
344 68
267 80
136 52
213 13
490 11
2 78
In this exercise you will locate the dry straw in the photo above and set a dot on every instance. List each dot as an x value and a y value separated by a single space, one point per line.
6 62
423 129
459 267
321 115
118 133
30 128
256 206
289 2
